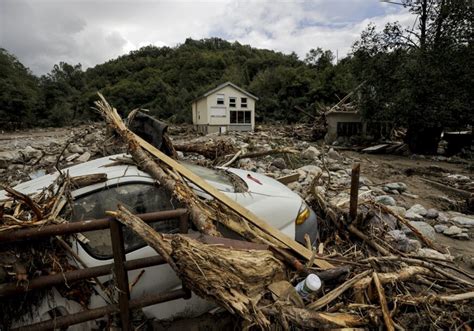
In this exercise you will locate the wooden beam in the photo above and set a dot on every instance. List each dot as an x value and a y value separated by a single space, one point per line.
289 178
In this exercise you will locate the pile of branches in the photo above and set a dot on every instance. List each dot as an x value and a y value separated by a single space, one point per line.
19 263
21 210
401 290
367 282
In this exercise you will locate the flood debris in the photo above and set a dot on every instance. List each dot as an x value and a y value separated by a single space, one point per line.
376 256
384 285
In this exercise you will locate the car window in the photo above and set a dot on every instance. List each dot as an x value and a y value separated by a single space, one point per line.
233 182
139 198
218 176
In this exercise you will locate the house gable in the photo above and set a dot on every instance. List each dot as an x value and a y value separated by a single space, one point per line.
220 87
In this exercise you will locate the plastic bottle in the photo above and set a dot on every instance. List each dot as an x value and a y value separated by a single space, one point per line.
310 284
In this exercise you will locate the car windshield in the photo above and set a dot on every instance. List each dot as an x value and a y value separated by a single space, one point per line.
137 197
219 176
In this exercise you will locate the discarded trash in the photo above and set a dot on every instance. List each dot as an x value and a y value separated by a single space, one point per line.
311 284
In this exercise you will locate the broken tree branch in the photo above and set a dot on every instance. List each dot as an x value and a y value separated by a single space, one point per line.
383 303
334 294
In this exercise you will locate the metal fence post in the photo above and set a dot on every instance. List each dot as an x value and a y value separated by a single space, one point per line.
121 275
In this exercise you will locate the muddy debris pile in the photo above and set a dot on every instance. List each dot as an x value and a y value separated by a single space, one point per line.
366 279
376 262
42 152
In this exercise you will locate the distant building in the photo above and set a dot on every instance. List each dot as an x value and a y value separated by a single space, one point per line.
224 108
349 123
344 124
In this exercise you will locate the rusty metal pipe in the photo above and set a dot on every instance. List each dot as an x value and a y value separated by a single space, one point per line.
121 275
70 276
82 226
93 314
184 223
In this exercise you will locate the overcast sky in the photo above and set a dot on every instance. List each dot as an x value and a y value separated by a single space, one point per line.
44 32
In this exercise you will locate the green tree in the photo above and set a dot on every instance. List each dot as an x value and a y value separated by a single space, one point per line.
62 89
420 79
319 58
20 95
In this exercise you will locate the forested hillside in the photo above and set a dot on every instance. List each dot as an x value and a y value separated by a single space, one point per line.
421 79
165 81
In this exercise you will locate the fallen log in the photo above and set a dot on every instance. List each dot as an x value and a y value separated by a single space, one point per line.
289 178
457 191
86 180
392 277
334 294
417 233
210 150
312 319
431 298
235 279
182 192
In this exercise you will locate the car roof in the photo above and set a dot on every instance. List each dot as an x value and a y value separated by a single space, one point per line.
107 165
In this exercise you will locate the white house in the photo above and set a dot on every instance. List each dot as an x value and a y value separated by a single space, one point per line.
225 108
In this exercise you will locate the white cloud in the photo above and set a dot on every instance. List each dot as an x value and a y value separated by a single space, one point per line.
44 32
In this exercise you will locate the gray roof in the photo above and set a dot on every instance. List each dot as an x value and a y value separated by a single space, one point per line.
220 87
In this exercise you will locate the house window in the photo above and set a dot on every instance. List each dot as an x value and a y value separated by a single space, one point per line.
248 117
348 129
243 102
232 102
220 99
240 117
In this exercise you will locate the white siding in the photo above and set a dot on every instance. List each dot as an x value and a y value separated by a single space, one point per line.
201 111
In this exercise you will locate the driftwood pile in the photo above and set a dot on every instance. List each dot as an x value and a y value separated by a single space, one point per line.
21 263
367 281
404 291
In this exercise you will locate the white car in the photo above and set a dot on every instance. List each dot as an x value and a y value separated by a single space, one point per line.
264 196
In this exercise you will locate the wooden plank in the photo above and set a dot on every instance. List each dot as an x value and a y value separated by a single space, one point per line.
245 213
289 178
